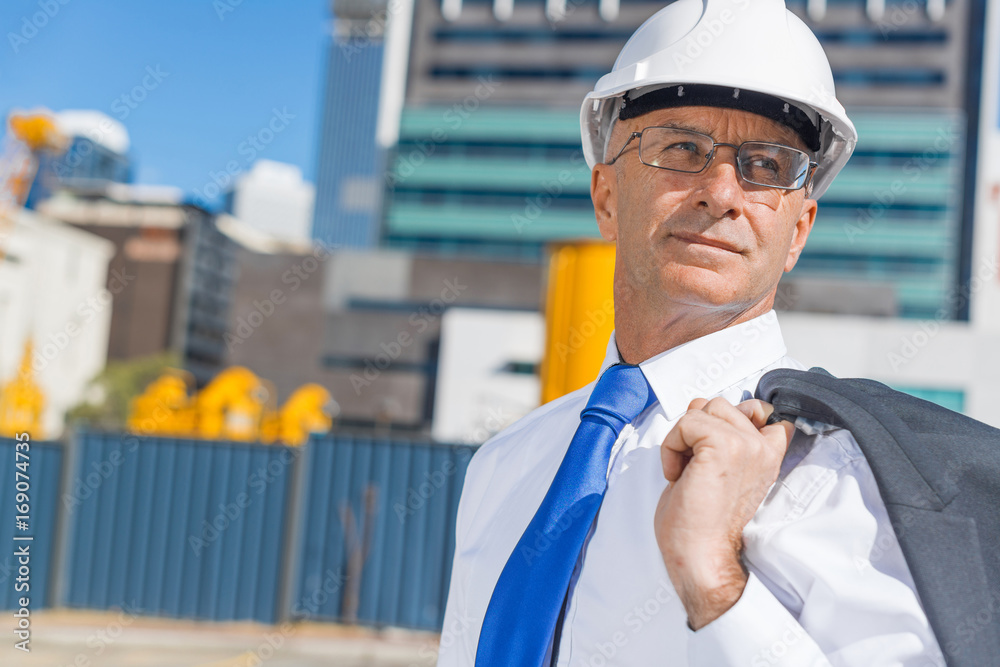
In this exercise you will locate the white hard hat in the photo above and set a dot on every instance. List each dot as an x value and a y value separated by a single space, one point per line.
723 43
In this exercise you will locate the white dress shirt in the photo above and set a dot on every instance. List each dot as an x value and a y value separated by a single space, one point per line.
828 583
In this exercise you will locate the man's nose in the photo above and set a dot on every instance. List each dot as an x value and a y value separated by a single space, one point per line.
721 191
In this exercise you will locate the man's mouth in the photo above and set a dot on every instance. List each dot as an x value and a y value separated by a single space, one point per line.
701 240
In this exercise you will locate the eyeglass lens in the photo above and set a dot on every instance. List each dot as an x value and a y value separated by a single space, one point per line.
759 162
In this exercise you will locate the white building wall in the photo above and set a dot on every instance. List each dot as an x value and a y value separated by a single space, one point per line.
475 398
921 354
52 288
985 311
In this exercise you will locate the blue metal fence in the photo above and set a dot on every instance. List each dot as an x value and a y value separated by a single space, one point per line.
377 530
44 468
215 530
184 528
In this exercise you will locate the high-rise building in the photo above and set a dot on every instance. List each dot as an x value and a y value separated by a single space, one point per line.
350 164
489 160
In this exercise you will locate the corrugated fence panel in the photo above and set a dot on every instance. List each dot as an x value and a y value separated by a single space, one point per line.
405 572
184 528
45 460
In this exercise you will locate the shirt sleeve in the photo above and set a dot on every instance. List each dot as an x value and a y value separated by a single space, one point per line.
453 649
828 583
755 632
459 632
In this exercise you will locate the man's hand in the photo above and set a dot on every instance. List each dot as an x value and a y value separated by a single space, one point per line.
720 461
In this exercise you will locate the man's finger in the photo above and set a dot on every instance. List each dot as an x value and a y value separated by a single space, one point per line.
780 433
693 428
757 411
697 404
729 413
762 415
673 463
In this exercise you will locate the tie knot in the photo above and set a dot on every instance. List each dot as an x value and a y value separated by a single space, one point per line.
621 393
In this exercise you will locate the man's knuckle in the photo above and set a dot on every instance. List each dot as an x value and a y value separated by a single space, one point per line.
718 403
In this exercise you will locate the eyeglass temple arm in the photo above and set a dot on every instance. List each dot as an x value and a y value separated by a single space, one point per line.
630 138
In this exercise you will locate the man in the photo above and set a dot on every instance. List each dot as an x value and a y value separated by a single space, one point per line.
670 524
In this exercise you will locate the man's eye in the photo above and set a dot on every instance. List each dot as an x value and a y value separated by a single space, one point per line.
765 163
683 146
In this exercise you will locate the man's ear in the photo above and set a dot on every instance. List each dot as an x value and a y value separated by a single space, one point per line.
803 226
604 194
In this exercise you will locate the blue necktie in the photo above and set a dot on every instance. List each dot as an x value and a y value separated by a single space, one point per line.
521 618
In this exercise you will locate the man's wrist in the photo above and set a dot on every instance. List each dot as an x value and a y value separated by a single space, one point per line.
707 588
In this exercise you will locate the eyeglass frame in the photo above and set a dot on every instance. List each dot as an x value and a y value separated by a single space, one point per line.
711 156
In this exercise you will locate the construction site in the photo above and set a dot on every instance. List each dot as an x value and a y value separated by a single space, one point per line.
243 393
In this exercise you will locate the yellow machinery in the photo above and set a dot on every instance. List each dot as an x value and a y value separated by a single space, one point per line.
579 314
22 402
310 409
235 405
165 407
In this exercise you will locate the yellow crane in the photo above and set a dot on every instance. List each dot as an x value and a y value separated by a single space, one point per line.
29 133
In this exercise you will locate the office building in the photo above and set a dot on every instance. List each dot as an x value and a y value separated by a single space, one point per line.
350 163
174 267
488 160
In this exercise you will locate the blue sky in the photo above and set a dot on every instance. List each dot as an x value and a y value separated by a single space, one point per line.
224 68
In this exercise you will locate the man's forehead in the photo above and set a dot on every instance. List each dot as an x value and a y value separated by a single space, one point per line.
748 126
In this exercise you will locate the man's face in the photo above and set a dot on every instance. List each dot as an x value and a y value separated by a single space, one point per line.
707 239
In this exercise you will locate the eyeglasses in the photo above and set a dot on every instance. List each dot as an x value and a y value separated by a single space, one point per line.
759 162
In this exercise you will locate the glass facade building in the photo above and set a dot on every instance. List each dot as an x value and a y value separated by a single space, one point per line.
350 165
86 163
489 159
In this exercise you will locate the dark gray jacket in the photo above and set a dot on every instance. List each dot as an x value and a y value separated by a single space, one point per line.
939 474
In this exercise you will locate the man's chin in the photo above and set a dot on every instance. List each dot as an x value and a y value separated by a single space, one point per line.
710 283
699 285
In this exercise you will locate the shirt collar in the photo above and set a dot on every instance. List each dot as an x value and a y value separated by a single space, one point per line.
706 366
